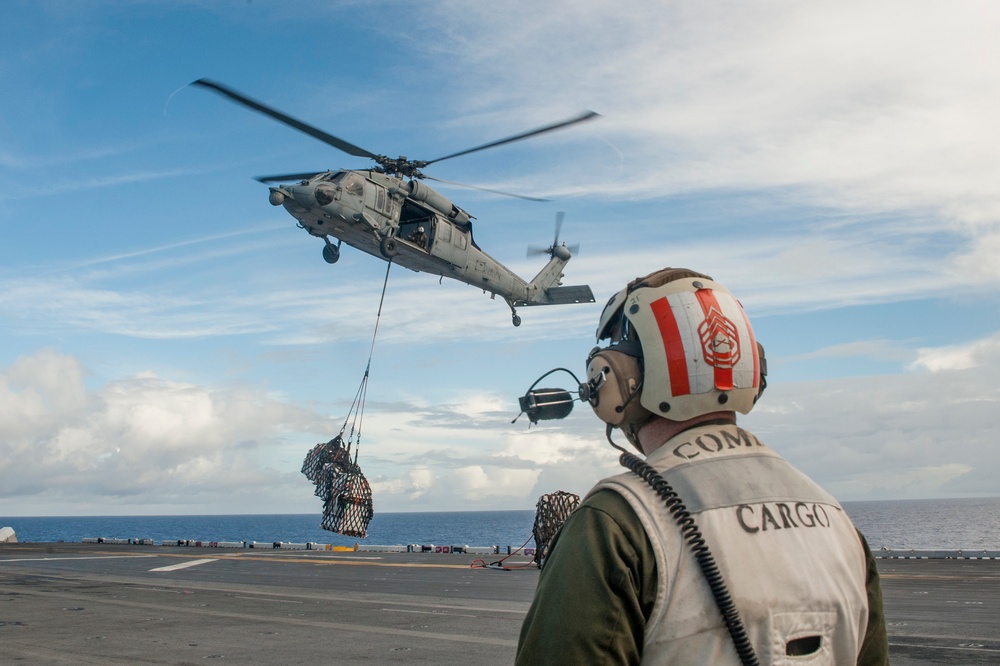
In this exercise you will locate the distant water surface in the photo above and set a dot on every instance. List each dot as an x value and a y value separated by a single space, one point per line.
473 528
940 524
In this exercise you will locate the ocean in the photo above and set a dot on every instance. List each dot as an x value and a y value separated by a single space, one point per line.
452 528
940 524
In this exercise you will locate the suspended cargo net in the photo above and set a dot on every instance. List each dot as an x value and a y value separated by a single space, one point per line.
346 494
551 512
350 512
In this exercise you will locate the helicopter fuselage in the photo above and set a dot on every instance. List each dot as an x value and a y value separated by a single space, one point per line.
414 226
388 212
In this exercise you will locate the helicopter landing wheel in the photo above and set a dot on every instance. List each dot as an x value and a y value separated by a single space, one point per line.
331 252
388 247
515 320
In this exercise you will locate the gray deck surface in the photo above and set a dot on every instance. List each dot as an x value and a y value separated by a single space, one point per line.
105 604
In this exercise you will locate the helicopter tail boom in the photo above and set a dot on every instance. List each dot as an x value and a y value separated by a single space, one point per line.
547 289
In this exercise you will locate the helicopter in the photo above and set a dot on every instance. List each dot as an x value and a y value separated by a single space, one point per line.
388 212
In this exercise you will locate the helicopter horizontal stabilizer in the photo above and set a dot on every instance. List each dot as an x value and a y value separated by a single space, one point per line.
564 296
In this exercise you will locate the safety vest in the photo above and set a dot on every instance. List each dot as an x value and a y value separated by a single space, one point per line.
793 562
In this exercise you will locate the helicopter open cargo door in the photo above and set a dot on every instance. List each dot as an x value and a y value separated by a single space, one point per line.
450 242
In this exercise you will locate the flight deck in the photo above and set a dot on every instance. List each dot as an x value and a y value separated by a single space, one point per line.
83 603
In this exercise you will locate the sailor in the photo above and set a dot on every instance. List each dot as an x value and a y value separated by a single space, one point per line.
781 574
418 237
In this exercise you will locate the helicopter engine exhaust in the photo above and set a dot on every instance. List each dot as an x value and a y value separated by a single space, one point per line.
423 193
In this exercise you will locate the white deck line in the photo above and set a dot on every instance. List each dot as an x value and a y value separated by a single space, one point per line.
184 565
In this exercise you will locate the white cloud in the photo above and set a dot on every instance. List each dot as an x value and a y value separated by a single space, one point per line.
922 434
906 482
411 485
812 157
874 106
145 444
880 116
139 443
492 482
959 357
872 349
978 264
182 298
551 447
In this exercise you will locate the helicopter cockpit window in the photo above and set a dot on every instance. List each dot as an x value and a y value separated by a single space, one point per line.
353 184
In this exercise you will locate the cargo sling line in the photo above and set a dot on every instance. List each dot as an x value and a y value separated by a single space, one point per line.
346 494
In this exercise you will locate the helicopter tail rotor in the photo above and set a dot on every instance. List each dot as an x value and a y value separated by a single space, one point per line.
562 251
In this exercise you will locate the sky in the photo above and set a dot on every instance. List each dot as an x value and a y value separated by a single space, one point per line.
172 344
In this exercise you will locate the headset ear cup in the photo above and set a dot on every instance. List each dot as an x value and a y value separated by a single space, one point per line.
622 378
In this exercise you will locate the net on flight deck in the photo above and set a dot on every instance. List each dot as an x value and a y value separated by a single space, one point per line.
551 512
346 494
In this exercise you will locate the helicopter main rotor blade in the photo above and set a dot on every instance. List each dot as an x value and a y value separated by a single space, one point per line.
329 139
288 177
586 115
485 189
560 216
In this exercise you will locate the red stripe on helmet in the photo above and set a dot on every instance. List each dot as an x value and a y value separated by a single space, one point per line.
673 345
720 340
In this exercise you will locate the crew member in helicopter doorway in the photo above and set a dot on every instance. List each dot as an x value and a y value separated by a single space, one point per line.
714 549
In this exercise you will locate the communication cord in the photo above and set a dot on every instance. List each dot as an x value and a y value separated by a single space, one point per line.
691 533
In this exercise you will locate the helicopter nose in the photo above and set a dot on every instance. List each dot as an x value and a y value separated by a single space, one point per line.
303 195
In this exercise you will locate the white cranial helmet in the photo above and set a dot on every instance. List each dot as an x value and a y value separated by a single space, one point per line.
680 346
